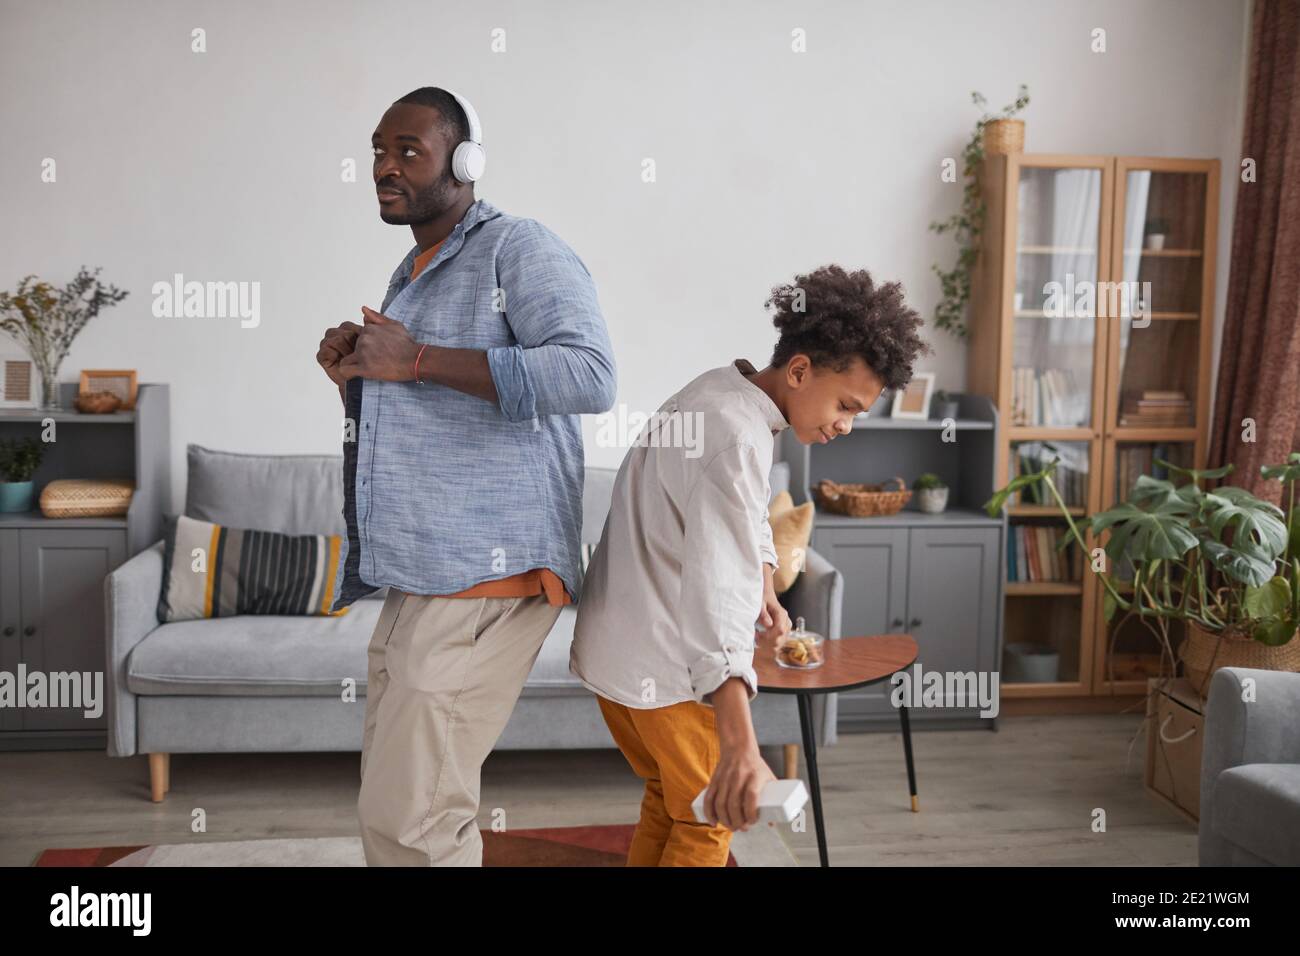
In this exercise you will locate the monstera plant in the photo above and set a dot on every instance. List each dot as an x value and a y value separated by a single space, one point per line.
1222 561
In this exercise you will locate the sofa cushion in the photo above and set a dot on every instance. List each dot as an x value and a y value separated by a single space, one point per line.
275 655
246 571
791 531
1257 807
550 673
291 494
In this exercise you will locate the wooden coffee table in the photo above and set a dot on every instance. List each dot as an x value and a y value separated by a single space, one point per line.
848 663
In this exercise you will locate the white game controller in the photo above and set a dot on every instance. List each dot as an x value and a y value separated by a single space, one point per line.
779 801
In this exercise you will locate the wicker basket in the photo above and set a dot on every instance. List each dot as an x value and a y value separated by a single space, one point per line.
1204 652
86 497
1003 137
861 501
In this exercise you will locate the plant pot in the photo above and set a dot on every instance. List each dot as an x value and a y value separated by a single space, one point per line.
932 500
1003 137
16 496
942 410
1155 241
1204 652
1028 663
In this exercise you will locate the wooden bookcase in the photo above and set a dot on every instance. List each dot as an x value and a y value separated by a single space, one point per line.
1107 382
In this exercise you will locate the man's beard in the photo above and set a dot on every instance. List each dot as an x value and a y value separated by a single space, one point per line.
423 206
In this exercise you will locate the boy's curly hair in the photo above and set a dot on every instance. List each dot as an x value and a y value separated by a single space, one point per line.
847 314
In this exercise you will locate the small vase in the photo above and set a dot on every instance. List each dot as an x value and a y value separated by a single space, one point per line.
1155 241
50 391
15 496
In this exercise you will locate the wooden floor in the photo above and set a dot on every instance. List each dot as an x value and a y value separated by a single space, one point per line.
1023 796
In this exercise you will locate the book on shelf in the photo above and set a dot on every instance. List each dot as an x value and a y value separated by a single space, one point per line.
1033 555
1071 482
1133 461
1155 408
1048 397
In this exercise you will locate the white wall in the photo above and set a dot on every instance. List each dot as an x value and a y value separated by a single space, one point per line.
226 165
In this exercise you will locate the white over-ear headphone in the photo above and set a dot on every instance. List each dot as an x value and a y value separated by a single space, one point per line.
468 160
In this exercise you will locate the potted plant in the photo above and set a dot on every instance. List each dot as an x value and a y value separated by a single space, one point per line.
931 493
967 223
46 319
943 405
1222 562
19 459
1156 230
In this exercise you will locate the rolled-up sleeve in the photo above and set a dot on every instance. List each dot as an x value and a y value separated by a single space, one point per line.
766 545
722 577
563 362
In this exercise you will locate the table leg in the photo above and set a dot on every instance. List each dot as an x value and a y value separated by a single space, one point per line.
810 755
907 752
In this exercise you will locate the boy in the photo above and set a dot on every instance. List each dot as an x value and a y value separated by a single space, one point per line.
666 620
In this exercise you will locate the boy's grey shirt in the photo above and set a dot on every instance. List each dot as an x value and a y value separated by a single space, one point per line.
443 490
675 587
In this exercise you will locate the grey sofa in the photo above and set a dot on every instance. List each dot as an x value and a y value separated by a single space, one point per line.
276 683
1250 771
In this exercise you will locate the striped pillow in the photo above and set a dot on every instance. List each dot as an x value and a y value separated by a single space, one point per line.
210 570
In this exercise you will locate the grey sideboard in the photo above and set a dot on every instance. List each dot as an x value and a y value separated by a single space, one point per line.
937 577
52 570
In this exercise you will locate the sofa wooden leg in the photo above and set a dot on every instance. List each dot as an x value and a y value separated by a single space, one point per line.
791 761
158 776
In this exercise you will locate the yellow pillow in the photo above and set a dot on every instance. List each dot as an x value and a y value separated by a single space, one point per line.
791 532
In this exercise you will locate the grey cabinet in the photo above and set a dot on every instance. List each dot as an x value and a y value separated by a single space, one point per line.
939 583
59 618
52 570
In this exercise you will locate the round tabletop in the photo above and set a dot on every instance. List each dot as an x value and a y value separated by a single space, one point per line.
847 663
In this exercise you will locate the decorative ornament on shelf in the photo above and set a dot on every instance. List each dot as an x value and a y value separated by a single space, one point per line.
45 320
994 134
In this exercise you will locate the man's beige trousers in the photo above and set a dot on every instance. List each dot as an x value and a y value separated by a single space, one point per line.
443 676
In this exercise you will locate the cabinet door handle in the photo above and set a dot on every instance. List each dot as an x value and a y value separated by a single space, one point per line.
29 630
896 622
9 631
916 622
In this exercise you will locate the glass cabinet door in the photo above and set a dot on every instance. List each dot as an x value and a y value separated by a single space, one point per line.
1060 244
1160 273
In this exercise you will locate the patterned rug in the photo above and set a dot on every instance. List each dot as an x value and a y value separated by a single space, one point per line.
556 846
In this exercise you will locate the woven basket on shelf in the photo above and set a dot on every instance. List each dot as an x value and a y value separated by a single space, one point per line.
1204 652
86 497
1004 136
861 501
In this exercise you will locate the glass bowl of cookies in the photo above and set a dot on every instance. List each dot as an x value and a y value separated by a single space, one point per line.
801 649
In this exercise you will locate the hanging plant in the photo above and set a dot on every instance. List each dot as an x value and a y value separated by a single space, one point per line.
966 225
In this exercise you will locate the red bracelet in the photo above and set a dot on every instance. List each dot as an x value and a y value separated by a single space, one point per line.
417 363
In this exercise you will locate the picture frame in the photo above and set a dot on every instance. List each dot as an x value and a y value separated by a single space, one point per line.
20 379
120 381
914 400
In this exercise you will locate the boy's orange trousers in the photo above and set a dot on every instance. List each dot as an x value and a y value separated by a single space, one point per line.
674 749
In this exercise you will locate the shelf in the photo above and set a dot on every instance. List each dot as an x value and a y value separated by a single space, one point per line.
1057 250
1017 433
1165 253
931 424
1158 316
38 415
908 518
34 519
1043 511
1040 588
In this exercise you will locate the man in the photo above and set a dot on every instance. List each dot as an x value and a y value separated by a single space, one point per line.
463 475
